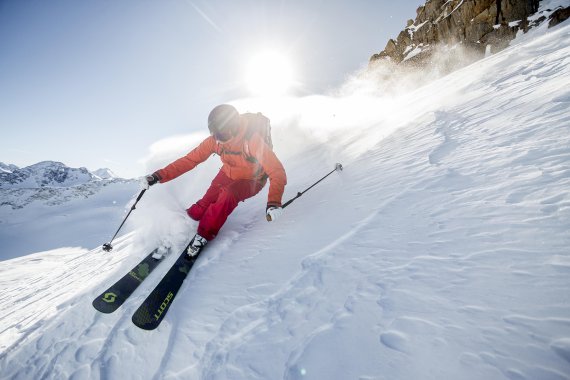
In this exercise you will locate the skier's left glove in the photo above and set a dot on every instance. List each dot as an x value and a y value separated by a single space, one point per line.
273 213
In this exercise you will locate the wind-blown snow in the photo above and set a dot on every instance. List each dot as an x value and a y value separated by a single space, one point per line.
440 252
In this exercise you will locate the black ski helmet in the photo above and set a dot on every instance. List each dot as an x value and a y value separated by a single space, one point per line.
223 122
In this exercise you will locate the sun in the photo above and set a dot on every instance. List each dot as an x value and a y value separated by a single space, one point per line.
269 73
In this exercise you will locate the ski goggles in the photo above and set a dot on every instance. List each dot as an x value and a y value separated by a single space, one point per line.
221 136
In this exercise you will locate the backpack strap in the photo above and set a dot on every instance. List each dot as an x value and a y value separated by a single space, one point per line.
248 155
249 134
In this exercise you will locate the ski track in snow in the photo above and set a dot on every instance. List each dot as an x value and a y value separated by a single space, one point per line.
440 252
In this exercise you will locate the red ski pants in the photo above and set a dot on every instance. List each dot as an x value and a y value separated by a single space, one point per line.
220 200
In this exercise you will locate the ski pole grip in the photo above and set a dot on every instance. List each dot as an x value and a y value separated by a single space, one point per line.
291 200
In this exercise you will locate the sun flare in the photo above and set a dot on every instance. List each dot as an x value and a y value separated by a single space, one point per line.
269 73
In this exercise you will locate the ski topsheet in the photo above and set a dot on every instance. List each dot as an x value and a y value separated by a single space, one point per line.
112 298
152 311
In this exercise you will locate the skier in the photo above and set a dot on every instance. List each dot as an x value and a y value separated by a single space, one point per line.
248 161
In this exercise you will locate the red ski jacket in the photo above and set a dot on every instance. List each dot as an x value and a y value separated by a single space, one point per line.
242 158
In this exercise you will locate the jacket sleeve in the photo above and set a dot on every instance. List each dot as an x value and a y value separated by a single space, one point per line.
188 162
272 167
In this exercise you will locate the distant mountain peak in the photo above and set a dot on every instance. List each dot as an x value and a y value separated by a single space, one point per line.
52 183
105 173
50 174
7 168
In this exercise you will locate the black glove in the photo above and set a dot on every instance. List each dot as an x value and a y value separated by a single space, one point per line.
149 180
152 179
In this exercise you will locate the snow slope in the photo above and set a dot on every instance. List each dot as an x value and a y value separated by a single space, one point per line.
441 251
49 205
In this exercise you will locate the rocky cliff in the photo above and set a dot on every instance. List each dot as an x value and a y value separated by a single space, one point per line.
478 26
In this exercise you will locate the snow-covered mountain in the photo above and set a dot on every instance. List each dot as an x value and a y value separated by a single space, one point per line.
7 168
50 182
45 174
105 173
49 174
47 205
440 252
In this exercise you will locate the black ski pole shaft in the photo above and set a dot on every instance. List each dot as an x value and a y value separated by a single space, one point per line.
107 246
337 167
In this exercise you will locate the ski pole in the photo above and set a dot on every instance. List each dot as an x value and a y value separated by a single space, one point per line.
337 167
107 246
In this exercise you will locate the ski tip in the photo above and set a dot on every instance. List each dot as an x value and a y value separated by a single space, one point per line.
102 307
146 327
144 323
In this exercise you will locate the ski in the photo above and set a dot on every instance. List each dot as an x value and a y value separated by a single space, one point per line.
112 298
152 311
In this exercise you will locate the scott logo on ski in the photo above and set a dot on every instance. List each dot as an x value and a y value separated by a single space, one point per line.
152 311
109 297
163 305
117 294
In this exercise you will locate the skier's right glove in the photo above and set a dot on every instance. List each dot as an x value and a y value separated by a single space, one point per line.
149 180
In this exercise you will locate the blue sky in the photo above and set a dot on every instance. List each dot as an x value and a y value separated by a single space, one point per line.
95 82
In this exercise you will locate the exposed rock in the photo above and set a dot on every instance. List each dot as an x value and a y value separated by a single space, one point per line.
477 25
558 16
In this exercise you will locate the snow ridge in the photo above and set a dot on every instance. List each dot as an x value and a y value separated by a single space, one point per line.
7 168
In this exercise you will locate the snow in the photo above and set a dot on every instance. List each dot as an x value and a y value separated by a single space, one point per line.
440 252
417 50
105 173
7 168
51 218
414 28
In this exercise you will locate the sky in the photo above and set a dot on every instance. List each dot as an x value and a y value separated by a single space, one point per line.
95 83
